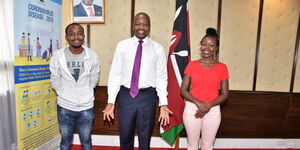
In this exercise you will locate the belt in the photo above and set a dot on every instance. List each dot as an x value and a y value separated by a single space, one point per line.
140 90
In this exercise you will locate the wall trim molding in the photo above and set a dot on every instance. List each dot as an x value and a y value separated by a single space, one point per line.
157 142
241 91
295 59
257 49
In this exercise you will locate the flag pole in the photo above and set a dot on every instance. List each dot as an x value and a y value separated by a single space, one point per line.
177 142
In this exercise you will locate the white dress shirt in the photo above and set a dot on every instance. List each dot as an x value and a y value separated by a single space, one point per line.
153 71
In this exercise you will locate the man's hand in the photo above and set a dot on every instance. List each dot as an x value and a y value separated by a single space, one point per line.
164 115
108 112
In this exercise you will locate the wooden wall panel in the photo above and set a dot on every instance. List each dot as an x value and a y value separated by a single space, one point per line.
254 115
244 115
279 28
103 127
238 40
297 74
238 22
99 125
200 20
293 118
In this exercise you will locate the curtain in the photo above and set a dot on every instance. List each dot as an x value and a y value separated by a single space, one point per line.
8 134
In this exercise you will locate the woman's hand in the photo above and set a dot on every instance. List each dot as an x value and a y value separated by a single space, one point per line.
199 114
203 108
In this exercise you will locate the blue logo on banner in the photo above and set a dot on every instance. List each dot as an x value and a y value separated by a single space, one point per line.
31 73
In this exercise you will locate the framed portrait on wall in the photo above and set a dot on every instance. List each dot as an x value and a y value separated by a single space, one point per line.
88 11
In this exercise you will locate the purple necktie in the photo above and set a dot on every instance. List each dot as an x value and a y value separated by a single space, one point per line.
134 87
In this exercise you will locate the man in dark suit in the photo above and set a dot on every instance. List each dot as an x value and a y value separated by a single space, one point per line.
86 8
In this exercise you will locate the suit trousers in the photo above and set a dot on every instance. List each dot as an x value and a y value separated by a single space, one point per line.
136 113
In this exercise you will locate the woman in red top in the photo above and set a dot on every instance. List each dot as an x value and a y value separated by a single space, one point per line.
206 76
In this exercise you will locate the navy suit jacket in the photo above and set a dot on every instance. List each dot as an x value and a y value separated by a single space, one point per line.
80 12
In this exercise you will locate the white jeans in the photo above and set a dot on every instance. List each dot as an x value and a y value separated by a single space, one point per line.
206 126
